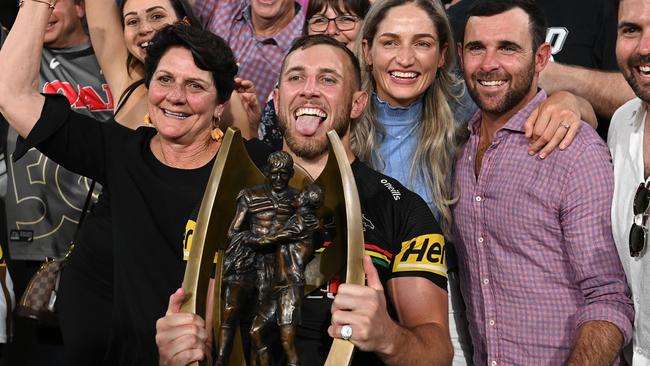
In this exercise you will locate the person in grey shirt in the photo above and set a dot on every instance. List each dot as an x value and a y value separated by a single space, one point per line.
43 201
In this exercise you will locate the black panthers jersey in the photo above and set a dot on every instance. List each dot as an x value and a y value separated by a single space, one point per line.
402 238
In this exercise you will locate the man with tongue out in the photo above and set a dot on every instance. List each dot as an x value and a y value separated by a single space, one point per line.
541 277
319 91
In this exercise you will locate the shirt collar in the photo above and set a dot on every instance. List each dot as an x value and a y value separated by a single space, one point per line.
516 122
398 116
285 37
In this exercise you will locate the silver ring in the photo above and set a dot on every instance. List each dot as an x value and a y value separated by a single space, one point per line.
346 332
565 125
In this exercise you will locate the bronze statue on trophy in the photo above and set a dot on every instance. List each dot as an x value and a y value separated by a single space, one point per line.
294 246
271 241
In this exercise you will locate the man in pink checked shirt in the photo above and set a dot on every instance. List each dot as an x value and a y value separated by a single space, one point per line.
540 271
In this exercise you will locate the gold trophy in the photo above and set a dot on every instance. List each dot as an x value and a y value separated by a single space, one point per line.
219 219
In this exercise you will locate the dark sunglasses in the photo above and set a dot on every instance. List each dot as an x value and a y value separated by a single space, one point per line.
639 232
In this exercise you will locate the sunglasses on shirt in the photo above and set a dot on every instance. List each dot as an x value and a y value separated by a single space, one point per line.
639 232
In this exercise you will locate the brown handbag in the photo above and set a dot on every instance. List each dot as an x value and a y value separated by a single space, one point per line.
39 299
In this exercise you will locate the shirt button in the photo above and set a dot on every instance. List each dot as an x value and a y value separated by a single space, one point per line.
493 363
480 240
491 322
478 198
486 281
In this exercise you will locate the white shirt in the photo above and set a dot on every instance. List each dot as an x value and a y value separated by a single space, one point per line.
625 140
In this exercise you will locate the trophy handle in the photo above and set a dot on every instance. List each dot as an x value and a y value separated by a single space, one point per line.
337 178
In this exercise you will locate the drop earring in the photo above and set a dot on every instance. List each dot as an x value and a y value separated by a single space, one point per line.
216 134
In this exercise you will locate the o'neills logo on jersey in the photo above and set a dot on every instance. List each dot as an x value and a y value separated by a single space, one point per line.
423 253
82 96
394 191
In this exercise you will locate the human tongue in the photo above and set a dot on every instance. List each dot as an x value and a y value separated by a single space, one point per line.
307 125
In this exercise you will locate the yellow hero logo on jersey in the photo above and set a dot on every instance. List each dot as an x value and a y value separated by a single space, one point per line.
423 253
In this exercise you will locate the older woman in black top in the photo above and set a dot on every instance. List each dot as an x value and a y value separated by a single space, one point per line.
155 175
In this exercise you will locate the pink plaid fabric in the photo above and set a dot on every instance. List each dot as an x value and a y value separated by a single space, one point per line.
535 245
259 58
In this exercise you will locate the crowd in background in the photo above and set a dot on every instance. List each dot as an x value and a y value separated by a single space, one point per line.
419 115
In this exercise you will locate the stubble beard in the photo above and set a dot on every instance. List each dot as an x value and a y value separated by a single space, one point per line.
309 148
642 92
514 95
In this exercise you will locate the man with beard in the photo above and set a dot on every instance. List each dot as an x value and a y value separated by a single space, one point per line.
319 91
629 143
541 277
582 50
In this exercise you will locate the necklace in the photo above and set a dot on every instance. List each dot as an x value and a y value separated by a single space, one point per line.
212 147
162 152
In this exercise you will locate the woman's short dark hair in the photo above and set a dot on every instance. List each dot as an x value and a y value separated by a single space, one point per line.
182 10
210 53
537 21
357 7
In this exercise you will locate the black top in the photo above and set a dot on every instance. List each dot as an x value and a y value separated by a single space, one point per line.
150 204
92 256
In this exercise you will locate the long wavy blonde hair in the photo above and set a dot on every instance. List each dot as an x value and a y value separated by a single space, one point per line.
435 149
